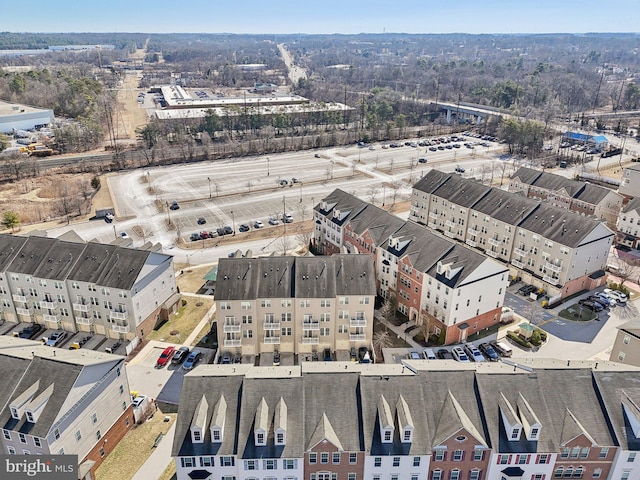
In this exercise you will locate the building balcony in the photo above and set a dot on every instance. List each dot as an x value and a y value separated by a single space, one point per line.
553 267
519 251
19 298
517 264
551 280
449 234
271 325
120 328
310 326
433 225
231 328
492 253
115 315
433 215
310 340
472 243
85 321
51 318
358 322
232 342
80 307
357 337
450 224
473 231
495 242
272 340
51 305
23 311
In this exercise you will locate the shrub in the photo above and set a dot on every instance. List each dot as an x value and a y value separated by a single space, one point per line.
518 339
535 338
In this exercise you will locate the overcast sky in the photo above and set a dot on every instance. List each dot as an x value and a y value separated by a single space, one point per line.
324 16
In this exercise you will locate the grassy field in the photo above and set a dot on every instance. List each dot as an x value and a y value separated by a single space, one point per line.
134 449
191 280
183 322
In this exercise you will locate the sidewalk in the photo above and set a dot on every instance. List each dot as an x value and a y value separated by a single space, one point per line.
399 331
159 459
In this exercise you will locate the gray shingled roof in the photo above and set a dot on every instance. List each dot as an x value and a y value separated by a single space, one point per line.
378 222
593 194
461 191
633 205
526 175
392 388
507 207
460 256
193 387
343 201
271 390
10 246
616 388
431 181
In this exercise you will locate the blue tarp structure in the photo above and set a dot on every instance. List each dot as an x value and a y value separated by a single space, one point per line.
575 137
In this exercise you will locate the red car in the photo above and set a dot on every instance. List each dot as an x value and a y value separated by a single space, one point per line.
165 356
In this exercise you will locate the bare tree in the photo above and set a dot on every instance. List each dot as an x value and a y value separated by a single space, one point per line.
283 245
389 308
627 269
381 340
372 193
424 321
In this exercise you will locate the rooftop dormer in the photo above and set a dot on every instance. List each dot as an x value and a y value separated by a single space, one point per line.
36 406
386 420
405 422
632 412
217 420
261 424
529 419
280 423
510 420
199 421
19 404
340 214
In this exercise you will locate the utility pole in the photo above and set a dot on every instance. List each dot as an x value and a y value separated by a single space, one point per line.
209 179
284 215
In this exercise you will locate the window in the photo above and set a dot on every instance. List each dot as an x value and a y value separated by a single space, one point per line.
188 462
94 418
260 439
336 457
305 303
11 450
285 317
474 474
631 457
206 462
279 438
247 319
98 435
78 436
455 475
351 476
416 461
324 457
597 472
565 453
438 455
313 458
534 433
227 462
625 475
584 453
290 464
387 435
522 459
377 461
558 472
353 458
396 461
263 303
56 434
436 475
478 455
457 455
324 303
543 458
36 442
7 434
503 459
270 464
216 435
197 436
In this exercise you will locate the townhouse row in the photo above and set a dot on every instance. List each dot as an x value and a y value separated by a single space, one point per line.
551 247
417 421
296 305
446 287
84 287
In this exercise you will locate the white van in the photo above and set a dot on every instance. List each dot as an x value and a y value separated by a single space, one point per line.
428 354
502 348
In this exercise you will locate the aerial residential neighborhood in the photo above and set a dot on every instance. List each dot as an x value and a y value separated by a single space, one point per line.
304 252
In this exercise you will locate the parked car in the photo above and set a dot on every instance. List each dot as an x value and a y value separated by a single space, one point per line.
413 355
226 359
165 356
287 218
274 221
602 299
228 230
284 182
444 354
220 231
276 358
459 355
422 160
193 358
174 206
195 237
613 301
489 352
258 224
526 290
594 306
31 331
473 352
202 221
243 228
204 235
617 294
113 347
139 400
180 356
501 348
108 217
458 169
79 343
237 358
433 149
56 338
428 354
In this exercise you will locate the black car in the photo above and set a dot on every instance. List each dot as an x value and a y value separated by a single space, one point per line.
174 206
444 354
363 353
458 169
237 358
276 358
595 306
422 160
220 231
30 331
489 352
243 228
195 236
227 230
180 356
526 290
202 221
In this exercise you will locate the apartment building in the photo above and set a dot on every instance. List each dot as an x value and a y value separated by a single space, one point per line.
626 347
630 183
57 401
547 246
330 216
580 197
295 304
98 288
419 420
628 225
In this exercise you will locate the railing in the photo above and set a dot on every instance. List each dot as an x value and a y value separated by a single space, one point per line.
450 223
471 243
449 234
358 322
357 337
473 231
23 311
272 340
85 321
19 298
494 241
522 253
432 225
517 264
120 328
115 315
492 253
49 304
80 307
310 340
51 318
433 215
231 328
232 342
271 325
310 326
553 267
551 280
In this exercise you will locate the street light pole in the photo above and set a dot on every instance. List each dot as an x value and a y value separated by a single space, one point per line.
267 166
284 215
384 193
168 213
233 220
209 179
300 192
